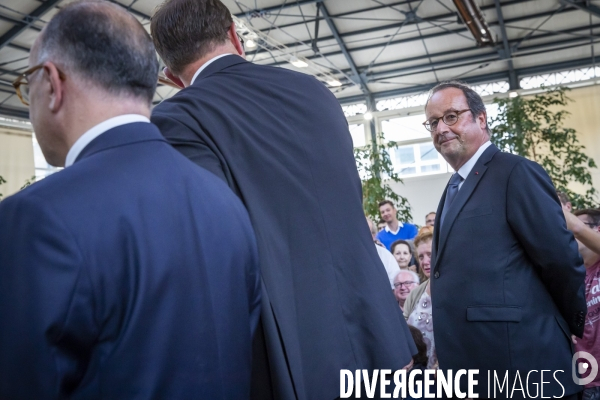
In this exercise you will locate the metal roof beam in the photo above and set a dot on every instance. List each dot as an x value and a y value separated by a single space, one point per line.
541 69
588 8
261 11
358 78
433 18
27 22
13 112
506 54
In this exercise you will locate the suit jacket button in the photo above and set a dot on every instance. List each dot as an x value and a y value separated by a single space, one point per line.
437 274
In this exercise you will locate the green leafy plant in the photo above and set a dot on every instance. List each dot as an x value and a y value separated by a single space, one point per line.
2 180
375 168
29 182
531 127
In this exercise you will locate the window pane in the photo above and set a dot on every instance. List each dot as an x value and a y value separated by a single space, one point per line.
357 131
428 152
404 128
430 168
405 155
407 171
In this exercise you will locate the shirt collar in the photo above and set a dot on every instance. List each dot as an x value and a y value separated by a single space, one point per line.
206 64
97 130
468 166
400 226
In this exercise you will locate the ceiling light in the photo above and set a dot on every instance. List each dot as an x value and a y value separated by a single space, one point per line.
296 62
474 20
513 94
334 82
368 115
250 44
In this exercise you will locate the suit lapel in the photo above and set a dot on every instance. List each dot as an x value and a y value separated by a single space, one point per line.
459 202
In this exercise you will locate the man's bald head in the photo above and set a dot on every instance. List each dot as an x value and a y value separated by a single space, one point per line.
103 45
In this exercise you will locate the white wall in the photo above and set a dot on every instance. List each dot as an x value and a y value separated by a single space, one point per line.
423 194
16 159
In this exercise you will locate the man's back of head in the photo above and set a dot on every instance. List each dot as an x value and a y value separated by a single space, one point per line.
95 60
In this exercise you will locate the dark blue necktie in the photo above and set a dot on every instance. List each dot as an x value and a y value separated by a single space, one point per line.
451 193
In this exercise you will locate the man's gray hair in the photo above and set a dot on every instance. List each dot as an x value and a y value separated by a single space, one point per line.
415 277
103 44
474 100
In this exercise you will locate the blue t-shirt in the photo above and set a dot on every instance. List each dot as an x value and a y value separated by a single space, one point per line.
407 232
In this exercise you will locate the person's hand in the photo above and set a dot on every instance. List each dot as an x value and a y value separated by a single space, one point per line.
574 224
409 366
574 339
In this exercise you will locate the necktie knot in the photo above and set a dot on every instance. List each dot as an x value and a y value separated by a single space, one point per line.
455 179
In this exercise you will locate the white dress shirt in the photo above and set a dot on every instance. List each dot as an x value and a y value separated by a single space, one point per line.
468 166
206 64
400 226
389 262
98 130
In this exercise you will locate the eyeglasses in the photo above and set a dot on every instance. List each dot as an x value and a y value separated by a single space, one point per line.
21 84
591 224
406 284
450 118
241 39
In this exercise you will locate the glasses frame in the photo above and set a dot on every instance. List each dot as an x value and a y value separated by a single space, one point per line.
443 118
406 284
22 79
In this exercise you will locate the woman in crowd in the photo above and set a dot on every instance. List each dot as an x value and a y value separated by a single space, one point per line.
417 307
403 254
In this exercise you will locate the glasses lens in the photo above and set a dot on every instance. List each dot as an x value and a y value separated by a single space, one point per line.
433 125
450 119
25 91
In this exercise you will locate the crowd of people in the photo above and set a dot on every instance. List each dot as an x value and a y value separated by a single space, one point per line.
209 249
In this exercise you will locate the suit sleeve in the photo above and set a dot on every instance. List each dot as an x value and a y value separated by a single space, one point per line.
189 143
47 325
536 218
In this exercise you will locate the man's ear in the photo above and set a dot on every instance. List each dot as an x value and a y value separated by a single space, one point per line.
56 86
173 78
482 119
235 40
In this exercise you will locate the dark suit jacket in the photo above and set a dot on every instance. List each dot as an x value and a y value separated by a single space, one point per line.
281 142
507 279
131 274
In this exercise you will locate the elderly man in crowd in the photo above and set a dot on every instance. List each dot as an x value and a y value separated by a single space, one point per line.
404 283
590 342
507 280
132 273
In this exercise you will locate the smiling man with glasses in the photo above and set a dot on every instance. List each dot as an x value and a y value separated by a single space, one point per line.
506 277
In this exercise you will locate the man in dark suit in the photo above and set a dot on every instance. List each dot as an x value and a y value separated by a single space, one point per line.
507 280
132 273
281 142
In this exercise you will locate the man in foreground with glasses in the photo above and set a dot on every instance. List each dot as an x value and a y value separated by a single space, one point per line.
118 277
506 275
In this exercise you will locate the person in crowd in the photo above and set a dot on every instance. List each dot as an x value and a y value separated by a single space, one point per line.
402 251
268 133
420 359
394 229
430 219
582 230
387 259
404 283
380 225
590 342
506 276
418 305
132 273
